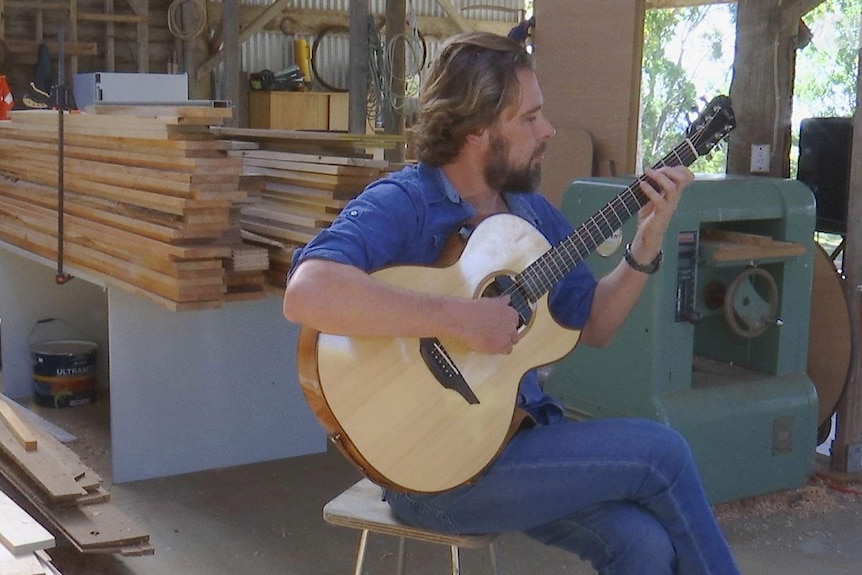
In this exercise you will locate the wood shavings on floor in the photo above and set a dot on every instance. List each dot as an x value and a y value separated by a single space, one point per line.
819 496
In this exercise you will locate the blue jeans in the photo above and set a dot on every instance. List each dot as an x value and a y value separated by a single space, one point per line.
623 494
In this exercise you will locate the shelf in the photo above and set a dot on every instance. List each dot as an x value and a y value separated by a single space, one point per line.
719 246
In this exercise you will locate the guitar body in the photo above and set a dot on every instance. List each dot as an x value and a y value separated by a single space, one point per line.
384 407
389 412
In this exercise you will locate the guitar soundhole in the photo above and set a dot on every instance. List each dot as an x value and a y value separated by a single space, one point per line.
518 299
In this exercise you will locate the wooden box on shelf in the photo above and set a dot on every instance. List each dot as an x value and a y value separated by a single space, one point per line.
281 110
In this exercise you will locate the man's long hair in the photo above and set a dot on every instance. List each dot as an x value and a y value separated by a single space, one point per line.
472 81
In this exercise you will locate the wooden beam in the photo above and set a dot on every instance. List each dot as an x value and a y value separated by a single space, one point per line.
19 429
195 50
21 533
142 8
57 483
848 432
73 37
396 18
310 21
39 24
247 32
138 6
231 50
110 17
762 85
358 77
806 6
37 5
657 4
110 45
455 15
32 47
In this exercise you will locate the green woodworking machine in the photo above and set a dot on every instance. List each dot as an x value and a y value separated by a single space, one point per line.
717 345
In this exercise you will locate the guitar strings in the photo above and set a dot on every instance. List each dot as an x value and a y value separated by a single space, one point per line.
538 277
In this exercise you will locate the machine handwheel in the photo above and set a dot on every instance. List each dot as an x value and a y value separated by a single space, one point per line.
751 302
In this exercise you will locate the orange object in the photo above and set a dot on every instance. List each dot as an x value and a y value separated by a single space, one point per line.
6 99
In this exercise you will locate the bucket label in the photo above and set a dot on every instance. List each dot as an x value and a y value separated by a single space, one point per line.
64 373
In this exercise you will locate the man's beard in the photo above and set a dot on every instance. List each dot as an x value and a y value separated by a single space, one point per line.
500 175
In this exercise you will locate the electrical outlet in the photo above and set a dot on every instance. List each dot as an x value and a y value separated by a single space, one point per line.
760 158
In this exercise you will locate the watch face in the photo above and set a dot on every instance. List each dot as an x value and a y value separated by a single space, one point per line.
611 245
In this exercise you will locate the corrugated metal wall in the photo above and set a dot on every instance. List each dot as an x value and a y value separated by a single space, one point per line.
274 51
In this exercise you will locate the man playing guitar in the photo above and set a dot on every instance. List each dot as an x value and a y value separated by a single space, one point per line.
623 494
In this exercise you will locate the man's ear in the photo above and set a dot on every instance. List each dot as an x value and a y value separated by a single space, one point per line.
479 137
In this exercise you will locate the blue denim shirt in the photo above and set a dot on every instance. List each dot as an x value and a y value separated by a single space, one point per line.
406 218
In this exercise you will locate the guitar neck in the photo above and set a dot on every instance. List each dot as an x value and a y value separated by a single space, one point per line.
543 274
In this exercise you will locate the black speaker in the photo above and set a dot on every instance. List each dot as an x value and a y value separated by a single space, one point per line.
824 166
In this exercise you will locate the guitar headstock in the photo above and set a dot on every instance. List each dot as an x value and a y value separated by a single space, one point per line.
712 125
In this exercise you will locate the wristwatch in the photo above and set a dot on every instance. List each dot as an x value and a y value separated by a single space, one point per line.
649 268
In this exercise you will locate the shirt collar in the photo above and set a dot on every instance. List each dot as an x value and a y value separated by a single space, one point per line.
448 187
516 201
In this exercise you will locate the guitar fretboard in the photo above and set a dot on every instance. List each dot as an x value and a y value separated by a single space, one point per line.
540 276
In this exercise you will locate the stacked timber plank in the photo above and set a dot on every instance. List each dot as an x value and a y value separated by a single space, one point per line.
148 197
303 180
22 541
35 563
54 481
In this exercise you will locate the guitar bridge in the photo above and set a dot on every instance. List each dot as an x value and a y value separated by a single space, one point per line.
444 369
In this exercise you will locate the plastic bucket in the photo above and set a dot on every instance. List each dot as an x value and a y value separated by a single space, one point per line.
64 372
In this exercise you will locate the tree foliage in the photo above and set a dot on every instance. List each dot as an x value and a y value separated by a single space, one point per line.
666 91
826 68
675 40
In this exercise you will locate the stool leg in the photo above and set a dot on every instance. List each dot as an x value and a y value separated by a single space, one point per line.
494 559
456 559
360 555
402 545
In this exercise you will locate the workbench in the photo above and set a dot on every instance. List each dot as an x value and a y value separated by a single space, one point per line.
188 390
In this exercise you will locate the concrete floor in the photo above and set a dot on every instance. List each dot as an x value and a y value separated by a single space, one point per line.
266 518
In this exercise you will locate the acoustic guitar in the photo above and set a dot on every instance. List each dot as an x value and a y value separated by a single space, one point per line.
429 414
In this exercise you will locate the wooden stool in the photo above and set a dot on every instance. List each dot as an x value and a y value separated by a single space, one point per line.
361 507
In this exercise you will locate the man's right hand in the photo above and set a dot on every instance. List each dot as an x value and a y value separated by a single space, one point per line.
489 325
340 299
